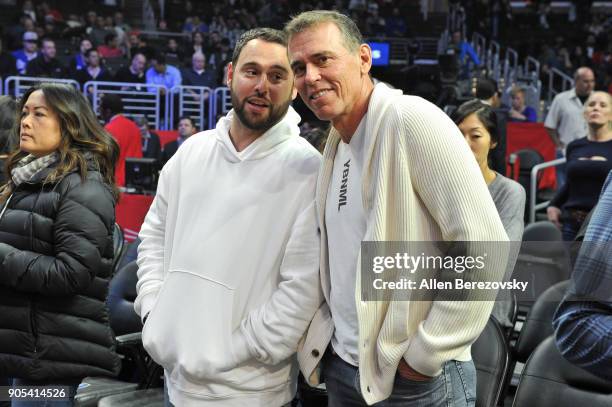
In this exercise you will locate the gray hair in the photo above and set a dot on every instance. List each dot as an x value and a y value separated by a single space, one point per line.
351 35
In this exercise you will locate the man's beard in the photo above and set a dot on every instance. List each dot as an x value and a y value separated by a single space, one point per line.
276 113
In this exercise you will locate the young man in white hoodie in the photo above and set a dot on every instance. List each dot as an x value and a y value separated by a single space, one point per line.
228 264
395 168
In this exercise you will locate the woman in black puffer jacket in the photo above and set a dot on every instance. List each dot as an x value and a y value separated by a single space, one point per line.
57 213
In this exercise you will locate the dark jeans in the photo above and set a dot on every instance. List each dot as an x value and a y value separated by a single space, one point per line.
570 229
454 387
43 403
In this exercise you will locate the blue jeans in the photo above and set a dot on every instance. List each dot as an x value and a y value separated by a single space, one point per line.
43 403
454 387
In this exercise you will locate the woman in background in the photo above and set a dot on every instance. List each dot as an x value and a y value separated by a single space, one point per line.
56 251
589 160
478 124
519 111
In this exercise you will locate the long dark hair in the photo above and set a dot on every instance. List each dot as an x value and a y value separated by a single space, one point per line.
83 140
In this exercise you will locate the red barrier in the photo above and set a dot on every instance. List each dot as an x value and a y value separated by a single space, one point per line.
166 136
535 137
130 213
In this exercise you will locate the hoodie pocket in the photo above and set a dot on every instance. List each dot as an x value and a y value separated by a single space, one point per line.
189 328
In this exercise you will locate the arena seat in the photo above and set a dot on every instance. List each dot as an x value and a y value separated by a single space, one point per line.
548 380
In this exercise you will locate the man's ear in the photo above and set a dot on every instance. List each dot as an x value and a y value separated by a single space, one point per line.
294 93
365 57
230 74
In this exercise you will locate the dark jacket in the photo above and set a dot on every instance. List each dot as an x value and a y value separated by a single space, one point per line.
153 147
168 151
56 254
38 67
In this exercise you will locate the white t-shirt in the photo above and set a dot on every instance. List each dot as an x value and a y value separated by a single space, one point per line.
346 227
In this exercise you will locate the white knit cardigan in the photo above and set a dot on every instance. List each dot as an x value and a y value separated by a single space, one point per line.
421 182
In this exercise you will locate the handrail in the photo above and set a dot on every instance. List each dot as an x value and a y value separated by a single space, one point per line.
479 42
31 80
510 64
565 79
534 186
531 61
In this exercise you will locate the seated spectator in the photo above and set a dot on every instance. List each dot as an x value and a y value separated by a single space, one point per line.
78 61
396 24
98 32
133 73
161 73
151 146
220 58
124 130
120 23
463 50
478 124
197 42
110 49
519 111
174 52
186 129
137 45
589 160
8 64
583 321
28 53
46 65
93 71
198 75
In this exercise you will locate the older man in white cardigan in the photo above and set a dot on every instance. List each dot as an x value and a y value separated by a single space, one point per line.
395 168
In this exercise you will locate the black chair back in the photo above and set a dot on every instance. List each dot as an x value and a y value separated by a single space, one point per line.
548 380
491 358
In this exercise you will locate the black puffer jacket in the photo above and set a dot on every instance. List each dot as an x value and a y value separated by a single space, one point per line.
56 252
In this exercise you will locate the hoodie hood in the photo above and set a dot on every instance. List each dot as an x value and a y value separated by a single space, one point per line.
263 145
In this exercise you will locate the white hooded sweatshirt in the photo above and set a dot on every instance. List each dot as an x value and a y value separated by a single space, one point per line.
228 266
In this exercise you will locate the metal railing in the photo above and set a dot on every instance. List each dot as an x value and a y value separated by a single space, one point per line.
138 100
533 207
479 43
555 75
532 67
493 60
510 65
195 102
222 103
17 85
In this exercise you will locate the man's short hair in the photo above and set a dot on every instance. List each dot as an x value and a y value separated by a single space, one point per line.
159 58
186 118
89 51
47 39
266 34
351 35
109 37
112 102
486 88
138 53
581 70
